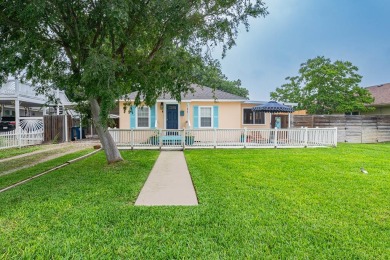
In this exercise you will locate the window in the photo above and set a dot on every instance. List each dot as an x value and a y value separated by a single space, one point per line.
352 113
253 117
205 116
143 117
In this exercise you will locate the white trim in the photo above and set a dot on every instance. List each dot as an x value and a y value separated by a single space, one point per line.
215 100
156 116
199 117
255 102
188 116
290 104
165 113
242 116
136 119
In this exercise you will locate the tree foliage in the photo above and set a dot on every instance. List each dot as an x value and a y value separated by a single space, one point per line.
325 87
99 50
213 77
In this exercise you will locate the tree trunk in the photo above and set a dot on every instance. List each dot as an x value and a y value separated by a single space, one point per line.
109 146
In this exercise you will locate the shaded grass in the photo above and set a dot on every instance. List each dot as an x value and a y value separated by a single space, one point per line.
291 203
30 159
6 153
12 178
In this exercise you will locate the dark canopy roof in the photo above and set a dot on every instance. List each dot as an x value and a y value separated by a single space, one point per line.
273 107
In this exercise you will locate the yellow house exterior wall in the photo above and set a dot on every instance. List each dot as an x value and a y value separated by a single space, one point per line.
230 115
267 116
124 117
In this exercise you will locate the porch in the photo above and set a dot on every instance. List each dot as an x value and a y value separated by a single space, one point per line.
224 138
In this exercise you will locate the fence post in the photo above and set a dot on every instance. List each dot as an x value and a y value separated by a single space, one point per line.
215 138
245 136
132 138
160 138
183 139
276 137
306 136
66 127
19 136
335 137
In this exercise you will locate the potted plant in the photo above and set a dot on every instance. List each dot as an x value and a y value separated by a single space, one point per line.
189 139
154 140
242 138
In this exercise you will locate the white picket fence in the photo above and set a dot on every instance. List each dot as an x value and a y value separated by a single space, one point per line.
224 138
30 132
14 139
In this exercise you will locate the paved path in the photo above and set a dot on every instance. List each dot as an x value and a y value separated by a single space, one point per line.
169 183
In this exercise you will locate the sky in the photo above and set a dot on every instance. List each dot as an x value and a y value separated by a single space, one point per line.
297 30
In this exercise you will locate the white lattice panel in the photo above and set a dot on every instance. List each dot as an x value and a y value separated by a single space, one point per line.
8 89
31 124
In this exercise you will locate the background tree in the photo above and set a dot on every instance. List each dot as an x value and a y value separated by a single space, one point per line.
99 50
323 87
213 77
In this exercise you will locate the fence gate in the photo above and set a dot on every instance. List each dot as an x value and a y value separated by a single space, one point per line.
57 127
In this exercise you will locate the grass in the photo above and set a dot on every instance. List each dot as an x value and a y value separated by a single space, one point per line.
6 153
12 178
266 203
30 159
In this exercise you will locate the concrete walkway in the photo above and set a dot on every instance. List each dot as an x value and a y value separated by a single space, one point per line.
169 183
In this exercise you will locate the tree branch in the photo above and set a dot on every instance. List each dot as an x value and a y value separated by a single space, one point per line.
156 48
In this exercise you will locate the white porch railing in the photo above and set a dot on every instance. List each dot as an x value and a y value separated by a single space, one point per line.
224 138
30 132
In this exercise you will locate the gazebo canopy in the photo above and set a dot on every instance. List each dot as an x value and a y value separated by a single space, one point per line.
273 107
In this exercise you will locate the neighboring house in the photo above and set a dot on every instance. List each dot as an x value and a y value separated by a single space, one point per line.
204 109
381 93
21 99
20 102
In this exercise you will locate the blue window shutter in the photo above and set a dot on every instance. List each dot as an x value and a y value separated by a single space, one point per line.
152 117
132 117
215 114
196 117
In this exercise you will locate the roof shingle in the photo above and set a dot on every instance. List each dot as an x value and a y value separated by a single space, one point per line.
381 93
200 93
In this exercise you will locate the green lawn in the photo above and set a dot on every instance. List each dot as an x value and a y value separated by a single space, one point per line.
20 175
266 203
31 159
6 153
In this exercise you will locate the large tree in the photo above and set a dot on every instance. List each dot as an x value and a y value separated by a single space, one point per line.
99 50
325 87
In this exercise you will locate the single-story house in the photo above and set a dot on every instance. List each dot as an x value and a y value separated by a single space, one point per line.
381 93
205 108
